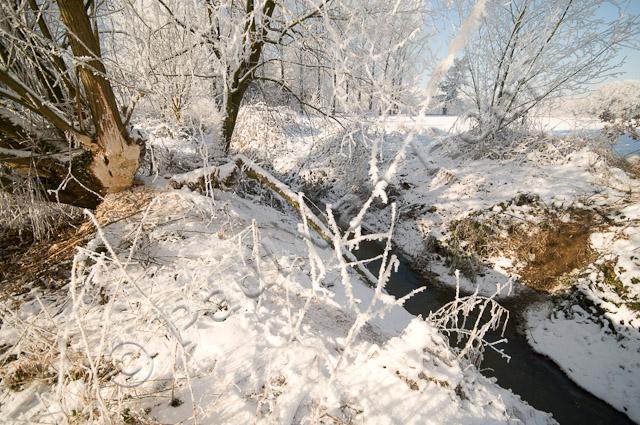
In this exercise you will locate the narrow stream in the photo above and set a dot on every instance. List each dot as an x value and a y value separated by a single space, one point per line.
626 146
534 377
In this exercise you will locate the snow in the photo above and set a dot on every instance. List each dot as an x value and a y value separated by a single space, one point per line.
445 184
439 182
601 351
606 364
202 308
215 309
452 123
193 176
569 124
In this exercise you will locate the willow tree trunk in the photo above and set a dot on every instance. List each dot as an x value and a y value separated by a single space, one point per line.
44 112
232 109
244 74
114 156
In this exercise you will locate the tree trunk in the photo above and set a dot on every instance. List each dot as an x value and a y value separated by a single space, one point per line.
104 159
114 157
231 114
244 75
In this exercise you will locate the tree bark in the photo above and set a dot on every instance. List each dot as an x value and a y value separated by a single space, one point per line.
115 158
244 75
107 159
231 114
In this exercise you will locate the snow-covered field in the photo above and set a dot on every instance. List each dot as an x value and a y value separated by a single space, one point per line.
453 123
594 334
201 309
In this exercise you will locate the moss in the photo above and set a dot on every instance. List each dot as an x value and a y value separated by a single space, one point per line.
611 279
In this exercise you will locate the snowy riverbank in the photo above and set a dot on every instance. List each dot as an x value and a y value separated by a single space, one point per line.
209 314
592 330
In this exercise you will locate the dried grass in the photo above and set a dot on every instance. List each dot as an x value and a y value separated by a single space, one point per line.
555 250
27 214
18 374
546 252
46 262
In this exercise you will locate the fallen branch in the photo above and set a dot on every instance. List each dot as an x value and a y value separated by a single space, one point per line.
219 177
222 175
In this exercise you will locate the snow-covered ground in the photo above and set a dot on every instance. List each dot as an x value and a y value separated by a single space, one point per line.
604 362
600 350
202 309
437 182
449 123
594 334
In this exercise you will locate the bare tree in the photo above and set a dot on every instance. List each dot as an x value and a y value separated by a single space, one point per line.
59 122
330 56
530 51
236 34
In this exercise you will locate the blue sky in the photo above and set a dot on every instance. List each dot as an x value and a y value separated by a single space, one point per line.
631 67
630 70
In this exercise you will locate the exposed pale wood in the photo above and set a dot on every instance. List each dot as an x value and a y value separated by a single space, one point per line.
116 160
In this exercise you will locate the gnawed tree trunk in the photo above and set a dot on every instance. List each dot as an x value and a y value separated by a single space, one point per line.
105 159
115 158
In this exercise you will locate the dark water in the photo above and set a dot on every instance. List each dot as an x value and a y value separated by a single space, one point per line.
626 146
623 147
532 376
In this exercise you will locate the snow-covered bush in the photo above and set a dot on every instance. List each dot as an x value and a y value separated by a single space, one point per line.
617 104
302 148
529 52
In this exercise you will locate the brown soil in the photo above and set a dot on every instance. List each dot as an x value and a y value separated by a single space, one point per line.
547 252
556 250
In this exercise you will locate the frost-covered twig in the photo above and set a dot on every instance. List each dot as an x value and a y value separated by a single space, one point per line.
452 319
